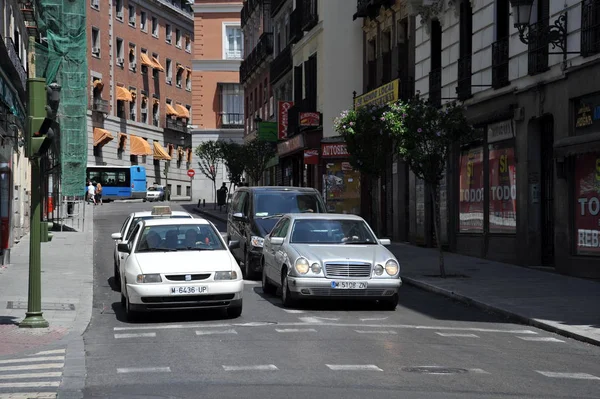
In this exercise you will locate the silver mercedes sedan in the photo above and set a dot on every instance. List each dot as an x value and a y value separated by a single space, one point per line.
329 256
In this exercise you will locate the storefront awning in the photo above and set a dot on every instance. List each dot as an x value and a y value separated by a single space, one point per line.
577 145
101 137
146 60
160 153
171 111
123 94
139 146
157 65
98 85
182 111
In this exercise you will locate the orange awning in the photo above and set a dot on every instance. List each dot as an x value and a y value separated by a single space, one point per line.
171 111
139 146
182 111
189 70
160 153
123 94
146 61
101 136
133 94
122 137
179 66
157 65
98 85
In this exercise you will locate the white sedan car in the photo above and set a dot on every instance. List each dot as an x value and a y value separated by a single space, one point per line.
179 264
132 220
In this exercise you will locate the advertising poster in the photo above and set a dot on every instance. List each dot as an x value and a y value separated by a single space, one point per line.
503 189
587 204
342 188
471 191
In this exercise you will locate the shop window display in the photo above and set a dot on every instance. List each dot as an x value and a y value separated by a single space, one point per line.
587 204
341 188
503 188
471 191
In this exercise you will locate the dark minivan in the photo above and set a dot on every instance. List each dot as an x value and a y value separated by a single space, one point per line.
253 213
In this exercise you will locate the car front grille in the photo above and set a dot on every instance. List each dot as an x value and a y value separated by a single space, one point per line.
181 277
349 293
348 269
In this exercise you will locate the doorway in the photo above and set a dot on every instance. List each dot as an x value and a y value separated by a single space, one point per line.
547 189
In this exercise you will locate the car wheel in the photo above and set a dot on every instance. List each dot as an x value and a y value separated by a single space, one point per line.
286 295
390 304
233 312
131 315
117 278
249 272
267 286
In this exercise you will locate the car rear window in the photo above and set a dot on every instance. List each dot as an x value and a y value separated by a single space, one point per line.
275 203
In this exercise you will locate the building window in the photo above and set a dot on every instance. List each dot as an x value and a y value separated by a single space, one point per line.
132 57
119 9
121 109
169 71
189 108
232 105
386 55
471 191
154 70
132 15
155 112
143 21
188 43
233 42
538 40
466 50
179 189
179 76
154 26
587 204
144 109
435 74
590 27
177 38
188 79
119 51
371 65
96 42
168 33
144 67
95 4
188 191
500 46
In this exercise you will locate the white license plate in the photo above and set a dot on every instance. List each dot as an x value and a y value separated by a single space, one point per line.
349 285
189 290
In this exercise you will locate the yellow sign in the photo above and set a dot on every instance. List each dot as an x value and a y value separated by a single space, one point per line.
584 116
382 95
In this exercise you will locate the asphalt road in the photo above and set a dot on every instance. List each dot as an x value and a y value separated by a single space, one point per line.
430 347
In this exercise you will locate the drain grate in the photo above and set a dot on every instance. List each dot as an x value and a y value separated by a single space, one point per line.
435 370
45 306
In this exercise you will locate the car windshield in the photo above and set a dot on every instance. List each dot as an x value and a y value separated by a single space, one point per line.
331 231
137 219
279 203
175 237
154 188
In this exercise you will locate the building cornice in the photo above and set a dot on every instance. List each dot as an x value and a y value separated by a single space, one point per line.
160 7
216 65
216 8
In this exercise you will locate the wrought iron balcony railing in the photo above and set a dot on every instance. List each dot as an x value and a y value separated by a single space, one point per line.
407 88
590 27
296 31
281 64
538 47
500 63
100 105
435 87
263 49
176 125
231 121
12 62
370 8
463 89
310 15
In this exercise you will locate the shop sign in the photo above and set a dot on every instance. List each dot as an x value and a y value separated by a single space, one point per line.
310 118
282 118
294 144
334 150
584 116
311 157
382 95
267 131
500 131
587 114
587 204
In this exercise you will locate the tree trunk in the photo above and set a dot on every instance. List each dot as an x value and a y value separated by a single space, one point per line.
437 228
215 193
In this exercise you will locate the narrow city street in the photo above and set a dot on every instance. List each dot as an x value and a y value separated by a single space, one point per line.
429 347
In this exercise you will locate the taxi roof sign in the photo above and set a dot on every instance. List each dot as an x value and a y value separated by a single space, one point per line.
161 211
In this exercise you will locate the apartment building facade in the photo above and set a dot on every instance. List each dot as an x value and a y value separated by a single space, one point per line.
140 84
218 98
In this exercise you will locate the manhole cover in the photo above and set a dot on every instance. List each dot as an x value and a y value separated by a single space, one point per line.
435 370
45 305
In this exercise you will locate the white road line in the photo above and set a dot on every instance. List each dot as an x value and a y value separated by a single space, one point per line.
376 332
32 359
51 374
327 318
29 395
457 335
306 321
259 367
478 371
293 311
144 370
294 330
374 319
576 376
541 339
52 352
353 367
138 335
211 332
33 367
32 384
246 282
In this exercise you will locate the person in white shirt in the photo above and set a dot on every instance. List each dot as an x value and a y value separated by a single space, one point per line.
92 192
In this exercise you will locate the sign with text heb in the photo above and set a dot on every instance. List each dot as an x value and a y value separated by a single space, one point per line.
282 118
384 94
310 118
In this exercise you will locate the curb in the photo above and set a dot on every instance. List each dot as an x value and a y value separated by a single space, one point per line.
510 315
208 214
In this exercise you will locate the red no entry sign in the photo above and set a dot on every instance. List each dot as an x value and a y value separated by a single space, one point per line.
191 173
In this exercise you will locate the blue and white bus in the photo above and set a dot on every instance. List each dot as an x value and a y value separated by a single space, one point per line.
119 182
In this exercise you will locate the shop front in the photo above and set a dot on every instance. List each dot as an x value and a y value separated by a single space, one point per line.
295 172
5 201
341 186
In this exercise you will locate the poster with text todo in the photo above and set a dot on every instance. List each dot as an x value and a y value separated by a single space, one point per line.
503 189
471 191
587 204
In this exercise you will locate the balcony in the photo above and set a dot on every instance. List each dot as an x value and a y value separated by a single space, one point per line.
463 90
231 121
176 125
12 63
590 27
435 87
100 105
281 64
370 8
500 63
263 49
296 32
538 48
310 15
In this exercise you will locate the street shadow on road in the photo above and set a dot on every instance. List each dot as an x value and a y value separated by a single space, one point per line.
171 316
8 320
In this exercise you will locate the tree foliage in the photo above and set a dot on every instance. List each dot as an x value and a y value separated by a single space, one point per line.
257 154
209 157
234 158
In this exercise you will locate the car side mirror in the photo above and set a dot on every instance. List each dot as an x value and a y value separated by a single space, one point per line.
234 244
385 241
239 217
276 240
123 248
116 236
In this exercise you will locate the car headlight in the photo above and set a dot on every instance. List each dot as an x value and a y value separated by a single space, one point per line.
257 241
148 278
302 265
226 275
378 269
391 267
315 268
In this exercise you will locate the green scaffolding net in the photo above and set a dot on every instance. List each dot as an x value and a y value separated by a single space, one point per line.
62 58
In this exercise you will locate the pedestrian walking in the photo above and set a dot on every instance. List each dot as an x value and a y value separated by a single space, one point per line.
98 193
91 192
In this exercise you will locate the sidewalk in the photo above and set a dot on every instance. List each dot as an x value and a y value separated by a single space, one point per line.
553 302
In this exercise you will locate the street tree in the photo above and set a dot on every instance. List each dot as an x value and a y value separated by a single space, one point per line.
209 157
234 158
258 153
